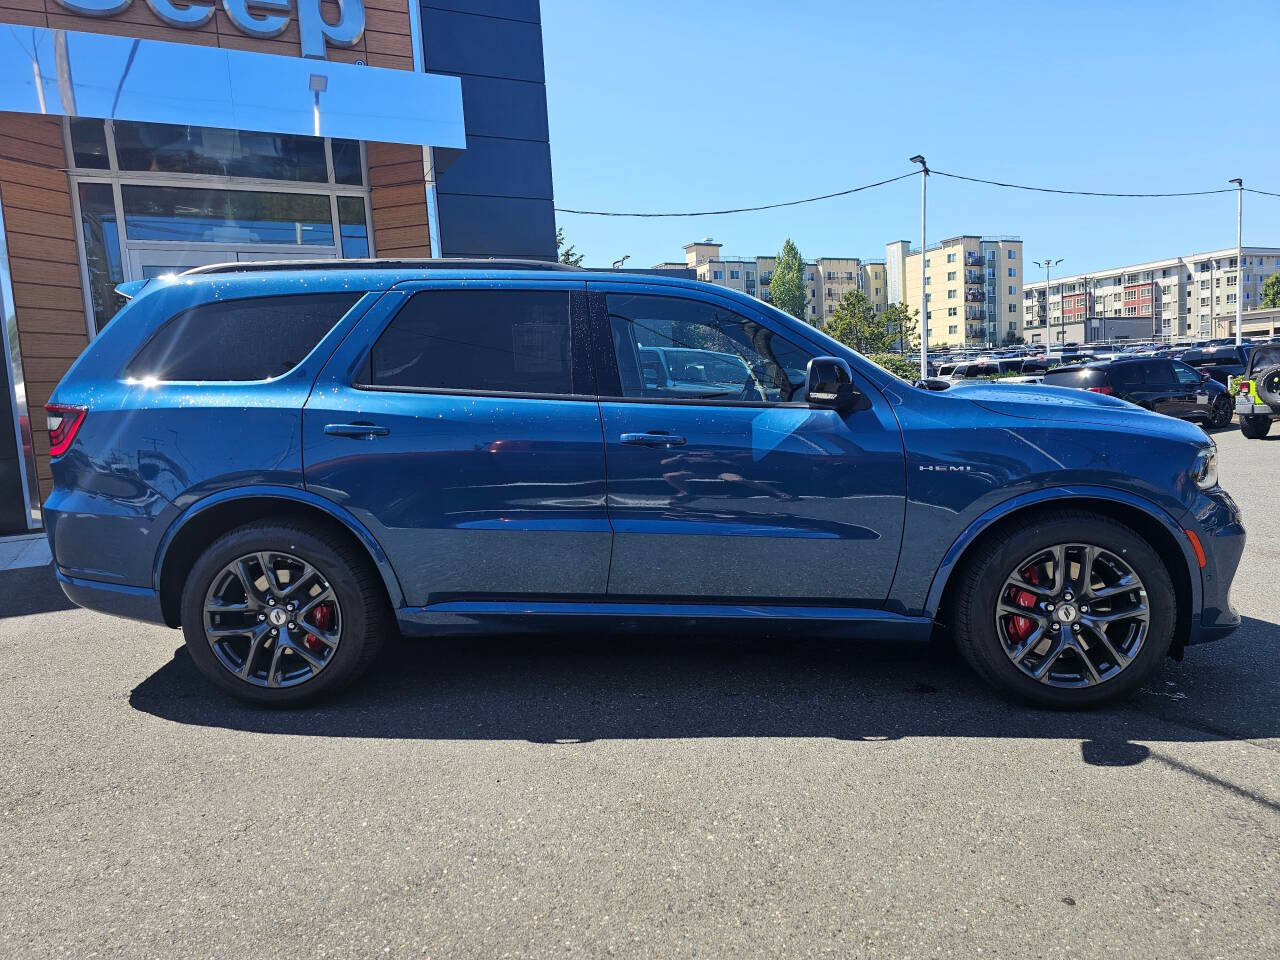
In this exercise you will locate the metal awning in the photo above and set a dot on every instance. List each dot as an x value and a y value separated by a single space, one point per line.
69 73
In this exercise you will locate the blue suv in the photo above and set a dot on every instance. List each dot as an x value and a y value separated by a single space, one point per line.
290 460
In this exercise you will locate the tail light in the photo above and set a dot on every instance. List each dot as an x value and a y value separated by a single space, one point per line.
1244 387
64 424
1103 389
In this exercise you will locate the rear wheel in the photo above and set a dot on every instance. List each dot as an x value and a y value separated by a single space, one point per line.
282 614
1071 610
1255 427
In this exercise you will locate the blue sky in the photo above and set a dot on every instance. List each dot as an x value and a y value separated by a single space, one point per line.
659 105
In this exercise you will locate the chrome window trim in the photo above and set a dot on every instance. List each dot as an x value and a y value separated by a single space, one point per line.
17 384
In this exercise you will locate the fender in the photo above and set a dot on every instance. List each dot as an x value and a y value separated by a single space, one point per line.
1049 495
295 495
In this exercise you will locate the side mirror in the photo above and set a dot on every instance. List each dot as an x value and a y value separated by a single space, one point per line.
829 384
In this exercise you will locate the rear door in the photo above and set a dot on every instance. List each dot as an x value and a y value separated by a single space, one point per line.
741 492
459 423
1167 394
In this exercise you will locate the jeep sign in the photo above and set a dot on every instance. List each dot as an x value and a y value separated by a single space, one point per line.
257 18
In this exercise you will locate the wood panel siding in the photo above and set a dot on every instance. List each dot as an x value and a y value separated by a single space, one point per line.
398 198
47 293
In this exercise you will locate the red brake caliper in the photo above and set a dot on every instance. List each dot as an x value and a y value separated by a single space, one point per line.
322 619
1021 627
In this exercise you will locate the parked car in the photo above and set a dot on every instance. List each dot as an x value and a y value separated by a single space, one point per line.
289 460
1258 392
1154 383
1220 362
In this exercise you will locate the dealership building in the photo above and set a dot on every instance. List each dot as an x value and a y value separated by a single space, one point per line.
143 137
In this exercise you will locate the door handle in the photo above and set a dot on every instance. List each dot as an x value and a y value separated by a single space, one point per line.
359 431
652 439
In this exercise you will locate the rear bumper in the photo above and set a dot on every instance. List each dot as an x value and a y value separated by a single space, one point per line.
1244 406
1222 535
135 603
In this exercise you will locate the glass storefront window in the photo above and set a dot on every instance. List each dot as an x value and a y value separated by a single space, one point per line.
347 168
174 148
89 144
102 250
354 226
192 215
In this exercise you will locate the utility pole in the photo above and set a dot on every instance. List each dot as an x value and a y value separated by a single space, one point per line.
1239 258
924 256
1062 319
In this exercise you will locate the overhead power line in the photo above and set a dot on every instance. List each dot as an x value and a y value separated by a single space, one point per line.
913 173
716 213
1080 193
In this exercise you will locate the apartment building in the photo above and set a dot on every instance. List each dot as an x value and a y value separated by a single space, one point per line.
973 287
1178 297
827 279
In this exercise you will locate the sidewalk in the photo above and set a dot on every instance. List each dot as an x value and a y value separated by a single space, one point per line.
27 550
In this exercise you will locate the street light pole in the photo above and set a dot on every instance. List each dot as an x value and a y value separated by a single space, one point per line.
1239 258
924 289
1063 324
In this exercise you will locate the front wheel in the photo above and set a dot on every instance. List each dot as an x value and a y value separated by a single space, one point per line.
280 614
1255 427
1221 410
1071 610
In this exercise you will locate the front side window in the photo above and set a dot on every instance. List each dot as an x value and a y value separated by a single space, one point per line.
236 340
672 348
1186 376
481 341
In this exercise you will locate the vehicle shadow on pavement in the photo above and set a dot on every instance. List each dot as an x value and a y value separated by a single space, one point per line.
624 686
29 590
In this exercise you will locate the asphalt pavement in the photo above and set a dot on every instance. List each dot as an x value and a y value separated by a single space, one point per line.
639 796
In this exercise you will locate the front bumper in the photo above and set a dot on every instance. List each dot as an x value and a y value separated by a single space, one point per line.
1221 533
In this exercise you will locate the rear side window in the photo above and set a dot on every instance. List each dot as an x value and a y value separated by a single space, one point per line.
499 341
239 340
1069 378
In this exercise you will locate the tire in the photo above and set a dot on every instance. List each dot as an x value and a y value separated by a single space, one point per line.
1221 410
1267 384
987 640
1255 426
306 659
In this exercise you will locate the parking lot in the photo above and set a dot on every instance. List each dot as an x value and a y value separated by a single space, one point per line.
639 796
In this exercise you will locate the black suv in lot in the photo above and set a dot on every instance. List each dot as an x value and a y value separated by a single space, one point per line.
1220 362
1155 383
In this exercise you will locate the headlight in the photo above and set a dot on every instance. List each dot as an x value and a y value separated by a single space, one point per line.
1205 469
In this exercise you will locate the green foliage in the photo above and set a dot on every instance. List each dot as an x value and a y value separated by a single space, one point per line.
567 254
787 288
900 365
903 326
855 324
1271 291
1013 339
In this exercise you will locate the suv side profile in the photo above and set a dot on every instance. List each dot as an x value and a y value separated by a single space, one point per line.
289 461
1154 383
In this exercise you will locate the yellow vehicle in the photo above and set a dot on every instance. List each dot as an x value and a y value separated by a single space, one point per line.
1257 393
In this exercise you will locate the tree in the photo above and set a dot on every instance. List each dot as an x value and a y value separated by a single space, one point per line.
855 324
1013 339
1271 291
898 364
903 326
568 254
787 288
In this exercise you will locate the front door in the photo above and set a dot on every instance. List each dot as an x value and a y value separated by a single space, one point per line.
723 484
459 423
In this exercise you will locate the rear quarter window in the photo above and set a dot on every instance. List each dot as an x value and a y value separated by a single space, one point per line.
1069 378
239 340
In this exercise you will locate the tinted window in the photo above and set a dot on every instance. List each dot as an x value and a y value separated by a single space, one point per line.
509 341
1072 378
668 347
1186 376
1159 372
239 339
1211 358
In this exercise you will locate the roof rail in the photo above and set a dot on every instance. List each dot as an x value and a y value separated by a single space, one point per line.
432 263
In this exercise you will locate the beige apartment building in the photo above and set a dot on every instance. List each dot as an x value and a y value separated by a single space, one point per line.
1181 297
827 279
973 287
